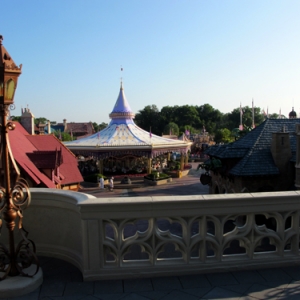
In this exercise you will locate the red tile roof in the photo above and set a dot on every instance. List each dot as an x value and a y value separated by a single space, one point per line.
46 159
24 145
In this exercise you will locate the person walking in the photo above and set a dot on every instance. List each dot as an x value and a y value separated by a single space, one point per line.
111 184
101 181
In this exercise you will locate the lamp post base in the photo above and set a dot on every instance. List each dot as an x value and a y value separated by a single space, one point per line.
20 285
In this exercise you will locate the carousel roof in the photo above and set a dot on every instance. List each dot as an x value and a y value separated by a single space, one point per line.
123 134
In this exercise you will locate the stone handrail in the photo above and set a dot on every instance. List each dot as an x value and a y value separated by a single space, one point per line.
109 238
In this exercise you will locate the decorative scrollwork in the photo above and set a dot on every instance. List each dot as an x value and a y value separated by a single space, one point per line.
10 126
12 106
21 196
2 198
4 261
26 254
12 204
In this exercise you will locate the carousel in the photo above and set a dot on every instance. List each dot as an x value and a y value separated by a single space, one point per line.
124 148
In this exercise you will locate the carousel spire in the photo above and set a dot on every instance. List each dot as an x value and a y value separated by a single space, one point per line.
121 109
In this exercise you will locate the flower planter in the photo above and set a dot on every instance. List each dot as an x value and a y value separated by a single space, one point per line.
157 182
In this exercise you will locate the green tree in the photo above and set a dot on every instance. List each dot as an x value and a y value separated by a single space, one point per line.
232 120
98 127
186 115
16 118
63 136
223 136
95 125
167 115
149 118
210 118
102 126
189 128
171 128
40 120
235 133
274 116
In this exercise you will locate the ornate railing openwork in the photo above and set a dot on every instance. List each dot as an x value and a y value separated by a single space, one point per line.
156 236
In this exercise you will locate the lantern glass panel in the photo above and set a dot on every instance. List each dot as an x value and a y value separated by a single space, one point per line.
10 89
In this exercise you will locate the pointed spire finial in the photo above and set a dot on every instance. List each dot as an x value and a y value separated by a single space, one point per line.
121 78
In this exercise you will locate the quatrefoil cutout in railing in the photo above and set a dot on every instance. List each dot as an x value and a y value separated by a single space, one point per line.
136 252
169 251
234 247
169 226
265 245
131 229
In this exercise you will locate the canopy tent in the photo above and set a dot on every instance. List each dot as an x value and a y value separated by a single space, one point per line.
123 140
122 135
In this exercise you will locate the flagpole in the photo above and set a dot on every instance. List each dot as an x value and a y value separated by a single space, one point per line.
241 117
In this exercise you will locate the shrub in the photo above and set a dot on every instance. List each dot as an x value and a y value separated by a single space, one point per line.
153 176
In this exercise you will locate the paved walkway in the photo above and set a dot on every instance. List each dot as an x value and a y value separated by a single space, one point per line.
64 281
187 185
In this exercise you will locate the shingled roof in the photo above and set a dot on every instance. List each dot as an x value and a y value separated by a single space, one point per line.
35 152
46 159
254 149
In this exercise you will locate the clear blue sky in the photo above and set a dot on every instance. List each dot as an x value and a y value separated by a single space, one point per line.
173 52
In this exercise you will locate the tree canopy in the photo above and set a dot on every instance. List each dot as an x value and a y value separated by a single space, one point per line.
196 119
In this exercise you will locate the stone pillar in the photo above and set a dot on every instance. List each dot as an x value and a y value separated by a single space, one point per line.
169 156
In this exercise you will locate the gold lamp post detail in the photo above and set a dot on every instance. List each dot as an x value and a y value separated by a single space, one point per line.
14 191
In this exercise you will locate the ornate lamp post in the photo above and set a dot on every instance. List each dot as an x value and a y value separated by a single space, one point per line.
14 191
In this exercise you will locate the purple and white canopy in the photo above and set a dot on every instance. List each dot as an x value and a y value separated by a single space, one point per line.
123 135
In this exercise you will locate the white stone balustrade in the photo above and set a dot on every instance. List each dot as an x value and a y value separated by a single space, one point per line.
109 238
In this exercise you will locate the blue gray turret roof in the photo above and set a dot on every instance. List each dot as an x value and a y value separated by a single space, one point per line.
252 153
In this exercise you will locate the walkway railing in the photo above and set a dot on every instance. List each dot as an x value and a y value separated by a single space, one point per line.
156 236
